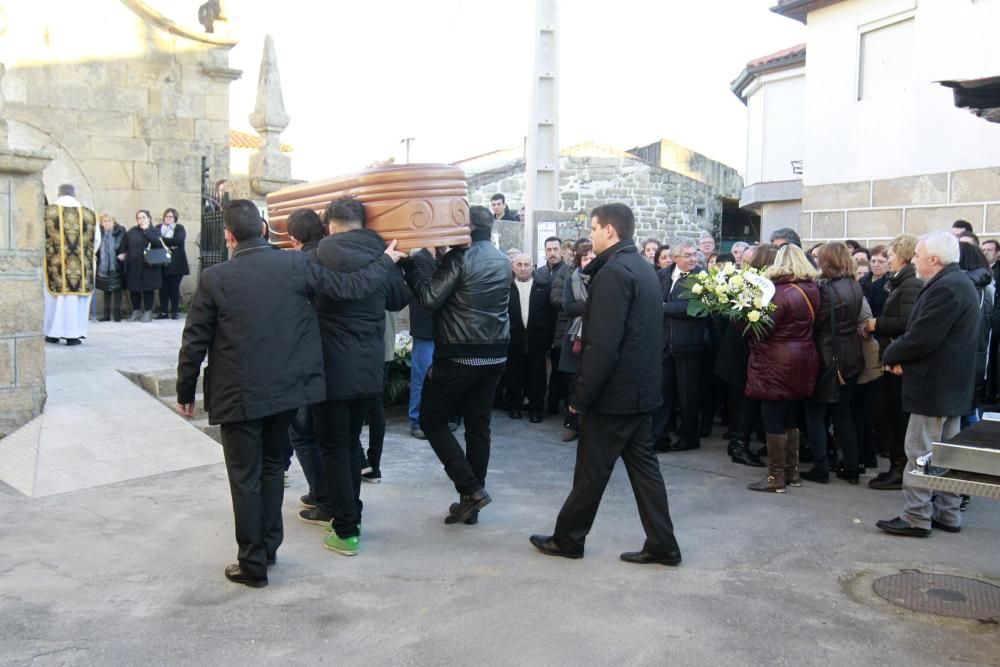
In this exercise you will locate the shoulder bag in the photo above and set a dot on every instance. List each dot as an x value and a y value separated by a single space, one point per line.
156 257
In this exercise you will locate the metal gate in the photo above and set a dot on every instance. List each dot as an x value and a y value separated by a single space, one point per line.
212 243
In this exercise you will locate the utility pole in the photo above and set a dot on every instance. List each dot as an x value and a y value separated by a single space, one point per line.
542 146
407 141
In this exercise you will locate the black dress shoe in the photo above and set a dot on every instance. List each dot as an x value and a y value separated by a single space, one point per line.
899 526
817 475
236 574
849 476
535 417
681 446
514 414
887 481
50 339
471 520
162 316
545 544
644 558
73 341
175 316
468 504
945 527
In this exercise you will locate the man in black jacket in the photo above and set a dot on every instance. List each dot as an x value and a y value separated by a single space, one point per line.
548 273
683 347
935 358
468 293
353 361
256 306
530 338
616 392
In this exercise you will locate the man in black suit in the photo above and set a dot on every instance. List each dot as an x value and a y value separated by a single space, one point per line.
616 392
257 306
530 338
935 357
683 346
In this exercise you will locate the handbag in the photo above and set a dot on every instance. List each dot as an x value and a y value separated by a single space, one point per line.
830 379
156 257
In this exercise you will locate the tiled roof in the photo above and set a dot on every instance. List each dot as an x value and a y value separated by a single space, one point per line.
799 9
791 53
240 139
784 59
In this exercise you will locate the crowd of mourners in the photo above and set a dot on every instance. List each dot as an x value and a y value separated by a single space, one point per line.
871 352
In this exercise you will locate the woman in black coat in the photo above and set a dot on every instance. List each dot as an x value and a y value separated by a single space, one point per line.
173 235
731 368
574 299
140 278
839 346
904 287
110 270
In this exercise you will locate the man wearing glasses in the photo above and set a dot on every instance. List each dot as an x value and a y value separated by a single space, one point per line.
683 346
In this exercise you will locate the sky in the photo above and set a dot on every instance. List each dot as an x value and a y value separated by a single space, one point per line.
455 75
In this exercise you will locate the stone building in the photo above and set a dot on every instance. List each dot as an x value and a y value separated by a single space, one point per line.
125 118
669 203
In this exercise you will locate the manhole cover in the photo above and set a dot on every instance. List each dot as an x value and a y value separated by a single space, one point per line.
941 594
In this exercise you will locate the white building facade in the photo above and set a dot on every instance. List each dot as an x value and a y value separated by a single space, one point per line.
885 150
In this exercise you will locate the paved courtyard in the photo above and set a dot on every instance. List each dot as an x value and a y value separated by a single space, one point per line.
131 572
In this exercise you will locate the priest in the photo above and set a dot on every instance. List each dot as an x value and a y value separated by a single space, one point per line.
71 237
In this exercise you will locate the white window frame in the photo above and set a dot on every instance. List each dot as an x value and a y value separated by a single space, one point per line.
866 28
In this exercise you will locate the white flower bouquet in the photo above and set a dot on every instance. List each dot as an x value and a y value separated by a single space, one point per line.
739 294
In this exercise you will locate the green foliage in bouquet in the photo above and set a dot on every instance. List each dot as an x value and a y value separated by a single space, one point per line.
397 385
739 294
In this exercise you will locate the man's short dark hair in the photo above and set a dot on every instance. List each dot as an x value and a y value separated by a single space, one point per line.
346 211
786 234
996 245
480 218
618 216
863 250
499 197
551 239
962 224
242 218
305 226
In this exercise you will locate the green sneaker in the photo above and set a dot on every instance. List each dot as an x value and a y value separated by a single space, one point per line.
347 546
328 527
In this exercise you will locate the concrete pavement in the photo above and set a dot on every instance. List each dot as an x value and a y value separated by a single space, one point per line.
131 572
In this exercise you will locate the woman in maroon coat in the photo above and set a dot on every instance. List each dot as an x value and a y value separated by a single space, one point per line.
783 365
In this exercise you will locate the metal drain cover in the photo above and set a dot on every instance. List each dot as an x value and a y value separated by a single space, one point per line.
941 594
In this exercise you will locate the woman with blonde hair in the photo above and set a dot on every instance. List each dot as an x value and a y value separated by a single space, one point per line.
783 365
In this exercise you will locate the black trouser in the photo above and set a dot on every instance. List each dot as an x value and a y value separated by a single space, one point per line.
898 420
338 427
469 390
253 462
376 425
843 427
778 416
558 381
170 295
603 439
141 300
681 387
525 377
709 392
743 413
115 297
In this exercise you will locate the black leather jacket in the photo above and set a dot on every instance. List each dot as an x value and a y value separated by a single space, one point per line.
468 293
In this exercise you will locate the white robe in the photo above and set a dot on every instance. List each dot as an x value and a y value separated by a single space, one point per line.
67 316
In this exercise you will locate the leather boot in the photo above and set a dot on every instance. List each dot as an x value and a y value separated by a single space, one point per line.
775 480
792 458
741 453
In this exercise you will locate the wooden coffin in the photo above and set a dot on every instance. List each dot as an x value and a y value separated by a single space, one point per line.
418 205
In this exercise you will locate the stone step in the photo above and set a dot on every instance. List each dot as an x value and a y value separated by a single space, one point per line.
214 431
159 383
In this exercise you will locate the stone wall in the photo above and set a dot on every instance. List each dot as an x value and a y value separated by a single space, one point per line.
126 116
875 211
22 354
667 205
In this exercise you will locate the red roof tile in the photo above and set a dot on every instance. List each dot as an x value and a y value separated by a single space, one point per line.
785 54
